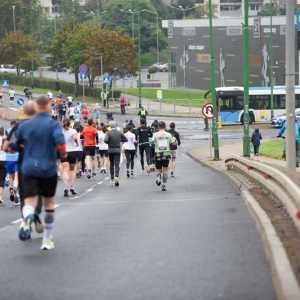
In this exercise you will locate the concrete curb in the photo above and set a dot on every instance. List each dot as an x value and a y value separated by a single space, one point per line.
283 278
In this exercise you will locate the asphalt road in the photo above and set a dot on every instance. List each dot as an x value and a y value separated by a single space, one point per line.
195 241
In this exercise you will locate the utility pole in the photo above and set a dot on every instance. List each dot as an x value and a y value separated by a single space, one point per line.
271 59
213 87
246 137
74 44
31 30
14 18
290 86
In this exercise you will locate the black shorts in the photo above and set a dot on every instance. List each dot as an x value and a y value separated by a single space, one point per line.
11 98
57 154
71 158
79 155
159 164
89 150
32 186
103 153
72 118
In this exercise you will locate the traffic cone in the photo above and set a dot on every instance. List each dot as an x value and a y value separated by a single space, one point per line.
3 116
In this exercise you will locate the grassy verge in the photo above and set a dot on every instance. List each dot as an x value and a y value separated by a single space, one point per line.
272 148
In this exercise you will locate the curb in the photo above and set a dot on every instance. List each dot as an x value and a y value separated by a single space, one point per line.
283 278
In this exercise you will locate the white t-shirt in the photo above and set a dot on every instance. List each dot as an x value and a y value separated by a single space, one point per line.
11 93
50 95
131 138
72 111
2 153
70 99
102 145
79 148
71 146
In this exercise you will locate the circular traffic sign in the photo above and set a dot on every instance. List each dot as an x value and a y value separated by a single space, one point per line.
207 110
82 68
20 101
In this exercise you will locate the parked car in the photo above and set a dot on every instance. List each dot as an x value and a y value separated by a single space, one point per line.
164 67
11 69
158 64
60 70
279 120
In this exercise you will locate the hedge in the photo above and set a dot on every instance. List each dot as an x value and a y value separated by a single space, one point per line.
54 85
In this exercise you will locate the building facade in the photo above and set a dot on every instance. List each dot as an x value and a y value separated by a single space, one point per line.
189 52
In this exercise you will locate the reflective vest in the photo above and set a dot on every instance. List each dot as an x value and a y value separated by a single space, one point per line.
143 113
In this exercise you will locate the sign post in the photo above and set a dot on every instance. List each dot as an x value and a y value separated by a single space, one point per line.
83 77
21 102
208 114
298 27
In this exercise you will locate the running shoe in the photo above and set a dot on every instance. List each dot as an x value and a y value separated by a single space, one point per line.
116 180
12 195
16 199
158 179
101 171
47 244
58 177
1 201
73 192
131 173
104 171
39 227
77 175
148 169
24 231
112 182
143 171
128 174
66 193
164 188
82 173
94 175
89 174
172 174
98 164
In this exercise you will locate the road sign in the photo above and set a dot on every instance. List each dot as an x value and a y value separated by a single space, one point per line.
112 77
126 77
5 83
20 101
83 69
82 76
106 80
207 110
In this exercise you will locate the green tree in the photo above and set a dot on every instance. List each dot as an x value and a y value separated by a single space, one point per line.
15 48
265 10
22 11
152 70
202 11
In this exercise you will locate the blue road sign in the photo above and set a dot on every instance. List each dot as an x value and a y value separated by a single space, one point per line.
82 76
83 68
298 19
126 77
106 80
112 77
20 101
5 83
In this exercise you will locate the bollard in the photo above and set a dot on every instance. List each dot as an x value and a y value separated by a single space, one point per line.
21 113
219 122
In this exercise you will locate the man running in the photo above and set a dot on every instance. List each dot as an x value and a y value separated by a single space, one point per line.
39 167
142 135
175 135
12 168
162 141
90 135
11 95
70 100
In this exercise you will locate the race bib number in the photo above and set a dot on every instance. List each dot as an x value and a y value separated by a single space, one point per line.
163 144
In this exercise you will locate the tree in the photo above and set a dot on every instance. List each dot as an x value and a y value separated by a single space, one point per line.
184 4
22 11
15 48
202 11
123 19
152 70
265 10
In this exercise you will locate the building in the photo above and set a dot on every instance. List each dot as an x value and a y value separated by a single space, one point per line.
189 52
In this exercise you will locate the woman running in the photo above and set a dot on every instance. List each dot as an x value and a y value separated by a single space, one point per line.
130 150
103 148
2 164
69 162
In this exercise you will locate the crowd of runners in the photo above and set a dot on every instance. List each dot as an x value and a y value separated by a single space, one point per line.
59 141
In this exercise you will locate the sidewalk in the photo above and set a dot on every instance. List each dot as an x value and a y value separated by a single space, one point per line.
203 156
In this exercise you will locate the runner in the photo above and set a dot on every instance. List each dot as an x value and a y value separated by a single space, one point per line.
143 133
39 167
130 150
162 141
11 95
12 168
97 112
69 162
90 135
71 112
109 116
85 114
79 152
2 164
70 100
50 95
114 138
103 147
175 135
1 95
29 112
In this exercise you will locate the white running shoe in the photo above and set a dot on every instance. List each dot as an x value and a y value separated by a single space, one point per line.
47 244
158 179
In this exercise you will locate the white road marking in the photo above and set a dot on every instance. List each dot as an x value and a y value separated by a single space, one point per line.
17 221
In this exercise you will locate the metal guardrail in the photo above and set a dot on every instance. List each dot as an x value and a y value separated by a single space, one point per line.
275 182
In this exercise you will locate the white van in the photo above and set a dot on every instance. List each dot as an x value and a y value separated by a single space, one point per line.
11 69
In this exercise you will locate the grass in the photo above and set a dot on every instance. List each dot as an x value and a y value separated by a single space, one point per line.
272 148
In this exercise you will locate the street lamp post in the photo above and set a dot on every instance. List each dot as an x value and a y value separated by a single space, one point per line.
55 15
13 7
157 45
132 13
183 9
139 54
100 54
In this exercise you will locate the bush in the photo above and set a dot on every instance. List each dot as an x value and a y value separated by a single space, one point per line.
152 70
54 85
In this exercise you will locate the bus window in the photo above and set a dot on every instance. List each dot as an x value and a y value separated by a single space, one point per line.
263 102
297 101
240 102
282 101
226 103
